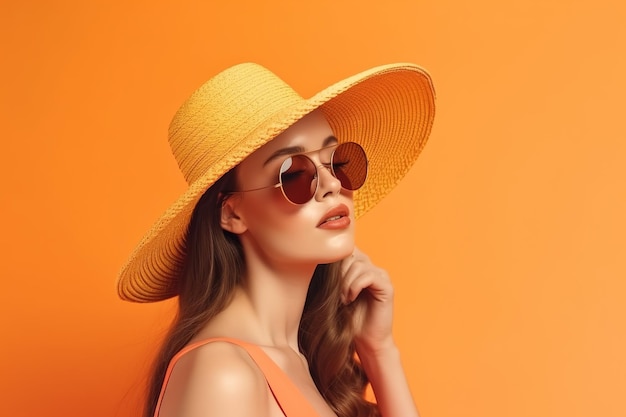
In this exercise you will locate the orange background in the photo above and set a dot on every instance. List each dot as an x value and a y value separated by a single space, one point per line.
506 241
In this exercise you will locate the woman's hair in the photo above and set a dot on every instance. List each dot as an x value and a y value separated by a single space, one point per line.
214 266
326 338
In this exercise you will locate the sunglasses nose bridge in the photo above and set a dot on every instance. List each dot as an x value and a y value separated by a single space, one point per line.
323 166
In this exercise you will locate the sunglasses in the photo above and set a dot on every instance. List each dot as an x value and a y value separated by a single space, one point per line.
298 174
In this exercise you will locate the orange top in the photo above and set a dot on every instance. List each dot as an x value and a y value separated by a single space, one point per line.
287 395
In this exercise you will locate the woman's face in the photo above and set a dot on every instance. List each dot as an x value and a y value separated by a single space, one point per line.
280 231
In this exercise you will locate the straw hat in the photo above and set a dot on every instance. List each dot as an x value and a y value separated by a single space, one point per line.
389 110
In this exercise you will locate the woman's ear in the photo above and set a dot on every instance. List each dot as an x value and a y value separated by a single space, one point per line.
229 219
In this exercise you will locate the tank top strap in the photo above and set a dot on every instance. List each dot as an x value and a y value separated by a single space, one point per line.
288 397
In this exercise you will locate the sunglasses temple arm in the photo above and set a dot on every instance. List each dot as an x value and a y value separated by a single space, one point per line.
260 188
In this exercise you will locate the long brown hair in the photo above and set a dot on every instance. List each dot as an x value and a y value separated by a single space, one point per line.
214 266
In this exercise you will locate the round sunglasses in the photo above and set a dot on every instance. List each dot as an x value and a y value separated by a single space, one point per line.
298 174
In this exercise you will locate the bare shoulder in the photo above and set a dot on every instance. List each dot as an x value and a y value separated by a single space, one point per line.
218 378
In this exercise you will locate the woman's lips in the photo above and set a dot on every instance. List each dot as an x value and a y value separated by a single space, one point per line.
336 218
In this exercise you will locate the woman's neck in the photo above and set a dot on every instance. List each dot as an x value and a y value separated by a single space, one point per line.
267 307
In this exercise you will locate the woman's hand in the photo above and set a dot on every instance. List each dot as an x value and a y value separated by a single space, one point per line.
369 287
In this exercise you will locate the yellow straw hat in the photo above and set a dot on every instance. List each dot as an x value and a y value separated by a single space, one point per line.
388 110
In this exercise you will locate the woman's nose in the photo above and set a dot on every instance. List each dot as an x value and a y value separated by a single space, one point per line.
327 182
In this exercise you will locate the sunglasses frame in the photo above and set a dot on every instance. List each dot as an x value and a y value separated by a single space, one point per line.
316 176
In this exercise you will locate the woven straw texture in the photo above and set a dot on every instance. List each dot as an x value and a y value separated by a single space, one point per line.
389 110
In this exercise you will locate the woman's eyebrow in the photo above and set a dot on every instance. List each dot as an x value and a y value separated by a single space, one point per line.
331 140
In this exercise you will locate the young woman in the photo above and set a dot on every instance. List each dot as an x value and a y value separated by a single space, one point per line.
279 313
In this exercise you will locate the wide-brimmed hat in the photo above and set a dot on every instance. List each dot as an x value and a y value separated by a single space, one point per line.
388 110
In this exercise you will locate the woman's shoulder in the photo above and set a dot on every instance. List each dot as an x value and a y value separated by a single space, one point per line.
216 378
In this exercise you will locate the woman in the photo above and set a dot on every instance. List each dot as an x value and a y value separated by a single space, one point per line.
279 313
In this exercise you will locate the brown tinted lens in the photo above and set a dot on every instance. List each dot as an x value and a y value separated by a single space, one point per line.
298 179
349 165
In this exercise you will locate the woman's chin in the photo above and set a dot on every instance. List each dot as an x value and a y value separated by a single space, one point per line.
339 253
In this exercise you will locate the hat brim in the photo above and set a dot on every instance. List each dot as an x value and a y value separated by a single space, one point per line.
389 110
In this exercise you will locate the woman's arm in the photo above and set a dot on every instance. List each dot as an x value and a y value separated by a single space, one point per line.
385 372
370 287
